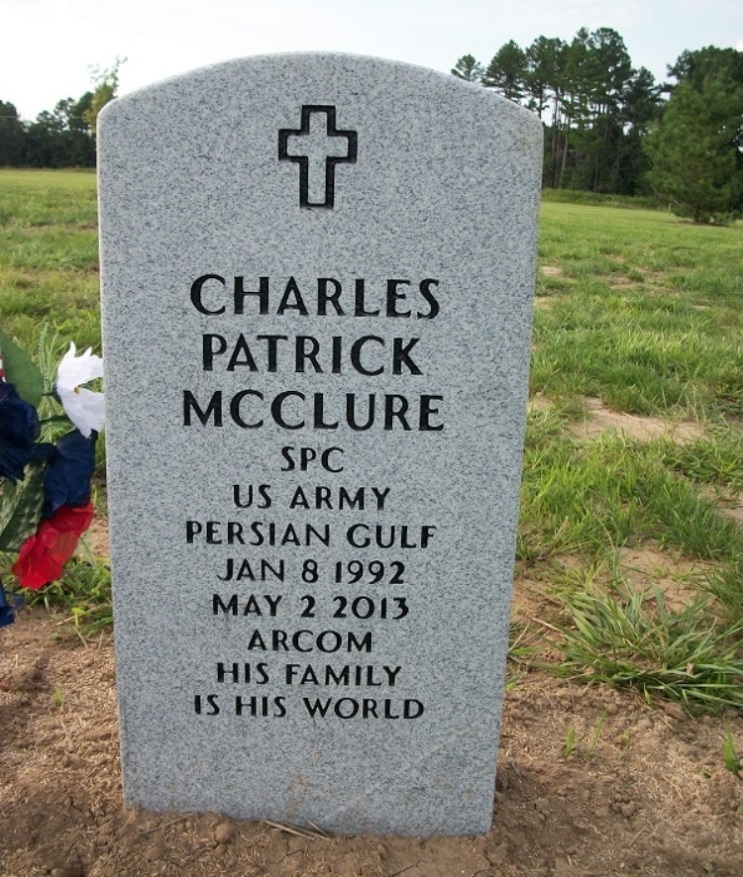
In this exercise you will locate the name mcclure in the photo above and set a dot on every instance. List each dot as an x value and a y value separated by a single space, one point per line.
369 355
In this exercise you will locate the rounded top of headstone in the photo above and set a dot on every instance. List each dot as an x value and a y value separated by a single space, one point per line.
298 69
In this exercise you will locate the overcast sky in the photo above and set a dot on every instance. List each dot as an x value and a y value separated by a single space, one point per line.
48 46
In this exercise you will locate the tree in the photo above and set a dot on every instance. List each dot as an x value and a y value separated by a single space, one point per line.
106 82
506 73
596 145
640 109
546 63
610 69
61 138
696 151
43 141
598 112
468 68
543 68
700 65
12 135
610 73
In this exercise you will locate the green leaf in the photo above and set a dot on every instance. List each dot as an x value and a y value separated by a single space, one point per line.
21 371
20 508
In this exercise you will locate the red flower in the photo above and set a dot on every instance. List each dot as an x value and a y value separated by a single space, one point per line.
43 555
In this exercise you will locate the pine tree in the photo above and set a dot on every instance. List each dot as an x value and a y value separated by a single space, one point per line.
506 73
696 151
468 68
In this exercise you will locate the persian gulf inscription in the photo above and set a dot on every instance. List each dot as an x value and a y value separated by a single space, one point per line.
317 282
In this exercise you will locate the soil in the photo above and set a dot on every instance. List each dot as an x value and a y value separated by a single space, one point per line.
551 271
600 418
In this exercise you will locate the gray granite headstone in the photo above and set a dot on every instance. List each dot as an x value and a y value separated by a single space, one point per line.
317 282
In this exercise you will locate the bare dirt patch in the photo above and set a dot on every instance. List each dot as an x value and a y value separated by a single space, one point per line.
732 506
676 577
600 418
538 402
644 790
543 302
621 281
96 538
552 271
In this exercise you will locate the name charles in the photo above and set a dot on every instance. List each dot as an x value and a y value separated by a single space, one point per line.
369 355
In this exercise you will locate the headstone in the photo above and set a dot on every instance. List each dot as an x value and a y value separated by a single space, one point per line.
317 282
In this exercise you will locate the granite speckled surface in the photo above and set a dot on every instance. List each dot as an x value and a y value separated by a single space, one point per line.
362 281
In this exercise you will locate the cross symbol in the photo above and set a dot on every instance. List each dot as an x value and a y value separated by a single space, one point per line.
317 147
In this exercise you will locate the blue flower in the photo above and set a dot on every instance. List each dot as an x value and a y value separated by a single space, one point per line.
68 472
7 607
19 429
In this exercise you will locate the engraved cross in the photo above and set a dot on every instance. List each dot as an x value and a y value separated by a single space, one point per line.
317 147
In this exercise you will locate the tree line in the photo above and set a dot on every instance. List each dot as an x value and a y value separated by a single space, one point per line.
611 128
64 137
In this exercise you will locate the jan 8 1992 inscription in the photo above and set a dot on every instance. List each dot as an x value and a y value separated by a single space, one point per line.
317 278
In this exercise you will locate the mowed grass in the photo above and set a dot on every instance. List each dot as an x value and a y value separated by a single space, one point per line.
49 255
634 307
641 310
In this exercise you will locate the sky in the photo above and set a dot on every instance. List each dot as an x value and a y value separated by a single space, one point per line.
50 46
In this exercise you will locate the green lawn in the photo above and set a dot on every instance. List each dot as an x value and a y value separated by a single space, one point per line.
49 255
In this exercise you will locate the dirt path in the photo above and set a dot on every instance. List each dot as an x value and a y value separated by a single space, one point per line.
644 790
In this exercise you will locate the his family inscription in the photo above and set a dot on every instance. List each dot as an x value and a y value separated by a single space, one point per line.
317 282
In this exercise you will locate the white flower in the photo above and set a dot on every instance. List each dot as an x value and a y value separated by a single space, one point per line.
84 407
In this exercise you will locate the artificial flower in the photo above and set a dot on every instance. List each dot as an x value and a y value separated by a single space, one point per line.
7 607
68 472
42 556
85 408
19 429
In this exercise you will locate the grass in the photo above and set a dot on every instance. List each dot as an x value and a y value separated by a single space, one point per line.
51 181
644 313
569 744
634 641
730 755
571 196
638 309
593 497
83 596
49 255
588 743
715 461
